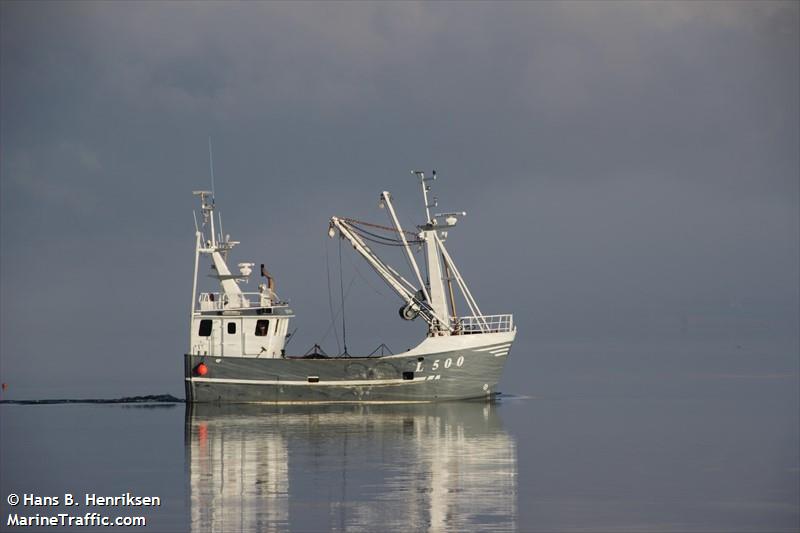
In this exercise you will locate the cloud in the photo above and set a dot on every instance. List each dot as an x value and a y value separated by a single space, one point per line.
64 174
632 156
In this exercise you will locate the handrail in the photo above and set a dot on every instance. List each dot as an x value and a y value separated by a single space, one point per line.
470 325
215 301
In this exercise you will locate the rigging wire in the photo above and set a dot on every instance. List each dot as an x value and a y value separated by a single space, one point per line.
377 238
364 278
362 231
410 251
334 324
378 226
353 224
341 289
376 241
330 301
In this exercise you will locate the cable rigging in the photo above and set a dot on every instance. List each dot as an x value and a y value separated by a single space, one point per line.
376 238
341 289
330 301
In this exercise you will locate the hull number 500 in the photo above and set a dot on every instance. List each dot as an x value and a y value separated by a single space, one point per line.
447 364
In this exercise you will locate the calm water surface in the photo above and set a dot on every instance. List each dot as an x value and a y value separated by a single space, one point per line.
723 458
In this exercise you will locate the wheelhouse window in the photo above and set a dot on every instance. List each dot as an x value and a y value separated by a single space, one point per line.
262 327
231 328
205 328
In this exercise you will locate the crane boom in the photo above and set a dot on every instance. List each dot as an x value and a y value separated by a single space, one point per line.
396 282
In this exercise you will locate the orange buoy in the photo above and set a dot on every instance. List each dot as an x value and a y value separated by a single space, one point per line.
201 369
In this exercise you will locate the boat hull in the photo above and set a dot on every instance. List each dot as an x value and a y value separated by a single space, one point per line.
439 369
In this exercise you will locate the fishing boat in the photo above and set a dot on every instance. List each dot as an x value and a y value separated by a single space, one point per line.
237 347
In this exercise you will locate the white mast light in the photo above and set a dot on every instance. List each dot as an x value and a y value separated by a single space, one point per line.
451 219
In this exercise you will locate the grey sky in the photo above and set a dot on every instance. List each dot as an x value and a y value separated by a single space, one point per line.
630 170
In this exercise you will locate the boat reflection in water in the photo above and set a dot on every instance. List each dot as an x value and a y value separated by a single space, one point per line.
437 467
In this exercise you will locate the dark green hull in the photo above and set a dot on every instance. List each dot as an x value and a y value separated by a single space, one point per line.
471 370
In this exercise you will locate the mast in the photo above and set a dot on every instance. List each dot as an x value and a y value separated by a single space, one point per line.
437 296
216 249
425 189
431 232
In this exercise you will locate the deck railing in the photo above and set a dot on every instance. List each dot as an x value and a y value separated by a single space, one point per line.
215 301
466 325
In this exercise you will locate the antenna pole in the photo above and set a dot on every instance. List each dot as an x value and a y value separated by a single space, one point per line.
425 189
211 166
213 192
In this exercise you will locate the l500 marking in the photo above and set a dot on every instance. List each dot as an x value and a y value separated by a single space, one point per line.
447 364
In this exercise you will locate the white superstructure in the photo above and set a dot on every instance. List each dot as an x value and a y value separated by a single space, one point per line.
230 322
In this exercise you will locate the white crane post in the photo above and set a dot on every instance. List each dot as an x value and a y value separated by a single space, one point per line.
386 198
